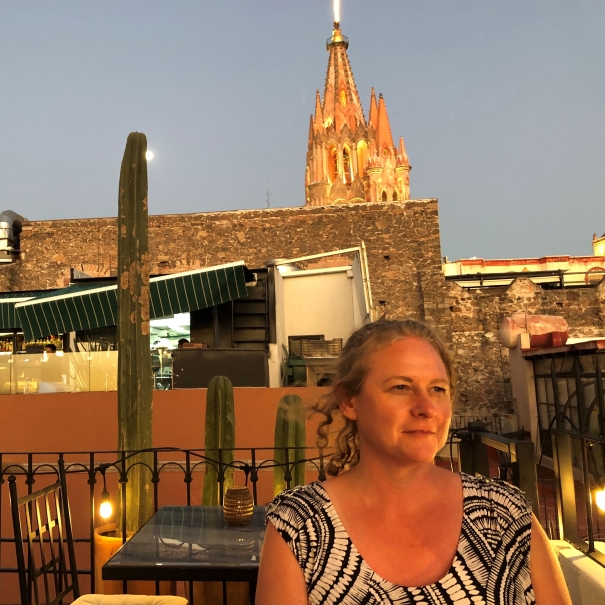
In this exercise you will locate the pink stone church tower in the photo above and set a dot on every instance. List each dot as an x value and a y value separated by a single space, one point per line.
349 159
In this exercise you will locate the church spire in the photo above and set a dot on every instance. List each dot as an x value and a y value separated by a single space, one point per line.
342 105
319 116
402 157
373 121
350 160
383 128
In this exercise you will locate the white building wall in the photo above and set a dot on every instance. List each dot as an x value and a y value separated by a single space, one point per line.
277 355
320 302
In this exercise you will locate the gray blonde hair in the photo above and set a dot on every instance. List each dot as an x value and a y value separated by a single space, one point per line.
351 372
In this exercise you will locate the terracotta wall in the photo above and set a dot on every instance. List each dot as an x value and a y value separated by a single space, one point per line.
74 422
71 422
87 422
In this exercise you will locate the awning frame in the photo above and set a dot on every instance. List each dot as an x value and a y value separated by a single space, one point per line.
65 311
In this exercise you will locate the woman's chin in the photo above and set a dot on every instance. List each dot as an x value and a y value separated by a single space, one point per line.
418 456
423 450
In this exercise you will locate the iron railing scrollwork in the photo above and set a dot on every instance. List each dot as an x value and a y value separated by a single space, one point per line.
570 397
88 469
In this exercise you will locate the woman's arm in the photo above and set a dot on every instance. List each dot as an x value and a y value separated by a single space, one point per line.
280 579
546 575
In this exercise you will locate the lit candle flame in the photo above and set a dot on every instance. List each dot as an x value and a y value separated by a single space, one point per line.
600 498
337 11
105 510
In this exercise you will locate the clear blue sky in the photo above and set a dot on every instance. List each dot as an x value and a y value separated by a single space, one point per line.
501 104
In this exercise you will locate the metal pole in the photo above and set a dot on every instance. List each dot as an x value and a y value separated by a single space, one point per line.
527 476
124 479
587 497
582 420
92 480
480 457
254 476
465 456
600 395
188 475
564 484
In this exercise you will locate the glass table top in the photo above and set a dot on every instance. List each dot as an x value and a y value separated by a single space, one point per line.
190 537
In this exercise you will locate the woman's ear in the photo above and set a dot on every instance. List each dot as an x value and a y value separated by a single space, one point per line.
347 406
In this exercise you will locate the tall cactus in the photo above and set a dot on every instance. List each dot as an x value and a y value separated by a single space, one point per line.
220 435
134 358
290 432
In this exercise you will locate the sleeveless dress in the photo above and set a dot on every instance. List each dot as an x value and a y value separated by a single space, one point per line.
491 565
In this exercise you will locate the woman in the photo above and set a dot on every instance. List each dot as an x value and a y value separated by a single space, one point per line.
391 527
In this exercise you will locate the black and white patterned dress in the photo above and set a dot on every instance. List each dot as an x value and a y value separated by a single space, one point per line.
491 565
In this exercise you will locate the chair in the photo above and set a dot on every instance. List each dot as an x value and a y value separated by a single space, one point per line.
48 531
50 575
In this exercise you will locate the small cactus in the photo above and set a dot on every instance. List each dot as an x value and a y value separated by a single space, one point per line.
220 435
290 435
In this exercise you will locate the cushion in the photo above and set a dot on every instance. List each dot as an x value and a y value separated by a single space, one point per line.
128 599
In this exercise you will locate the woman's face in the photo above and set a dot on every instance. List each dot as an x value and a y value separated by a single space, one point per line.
404 409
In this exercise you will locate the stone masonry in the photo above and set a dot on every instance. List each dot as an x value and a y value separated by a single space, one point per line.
404 257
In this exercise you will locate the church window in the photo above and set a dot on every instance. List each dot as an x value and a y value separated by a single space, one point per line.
384 196
394 196
343 97
346 160
333 164
362 157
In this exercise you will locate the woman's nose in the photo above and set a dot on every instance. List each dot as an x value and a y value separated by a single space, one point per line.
424 406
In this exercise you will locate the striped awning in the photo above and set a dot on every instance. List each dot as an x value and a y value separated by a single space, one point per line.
8 300
82 307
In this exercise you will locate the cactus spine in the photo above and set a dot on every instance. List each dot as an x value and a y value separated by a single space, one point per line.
220 435
290 433
134 358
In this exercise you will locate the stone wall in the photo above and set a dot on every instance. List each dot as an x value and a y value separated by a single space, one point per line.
404 257
476 315
402 240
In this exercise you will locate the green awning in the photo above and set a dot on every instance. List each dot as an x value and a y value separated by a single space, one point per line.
82 307
8 300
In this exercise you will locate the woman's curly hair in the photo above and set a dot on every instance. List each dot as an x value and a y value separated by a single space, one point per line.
351 372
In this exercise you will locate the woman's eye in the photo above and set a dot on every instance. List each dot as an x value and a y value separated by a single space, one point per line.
401 387
440 390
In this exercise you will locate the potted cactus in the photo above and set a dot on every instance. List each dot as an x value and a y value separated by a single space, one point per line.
289 442
134 359
220 435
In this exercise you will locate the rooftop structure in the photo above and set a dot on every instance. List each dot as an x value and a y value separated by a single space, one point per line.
598 245
547 271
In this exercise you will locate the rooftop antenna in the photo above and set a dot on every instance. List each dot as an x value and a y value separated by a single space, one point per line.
269 194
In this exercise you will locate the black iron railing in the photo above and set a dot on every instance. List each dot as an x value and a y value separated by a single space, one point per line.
176 477
90 472
577 479
570 397
490 423
515 464
554 279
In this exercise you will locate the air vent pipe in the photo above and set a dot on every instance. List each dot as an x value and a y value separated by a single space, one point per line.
10 231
